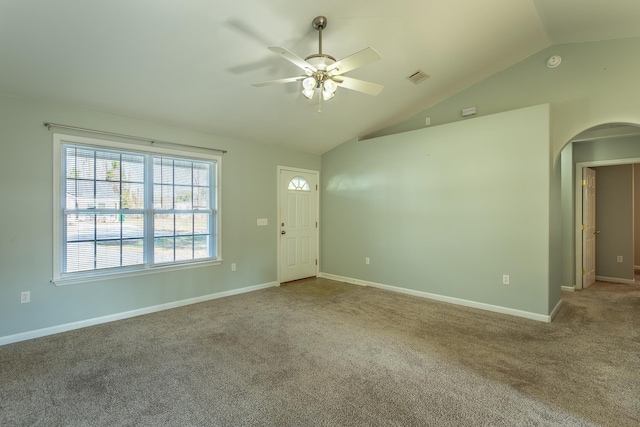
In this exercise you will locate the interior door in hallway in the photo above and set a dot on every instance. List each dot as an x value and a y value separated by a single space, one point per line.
298 224
588 227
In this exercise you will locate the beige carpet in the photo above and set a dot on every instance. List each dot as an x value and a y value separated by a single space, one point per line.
326 353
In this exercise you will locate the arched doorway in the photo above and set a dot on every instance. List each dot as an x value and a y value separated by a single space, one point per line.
605 146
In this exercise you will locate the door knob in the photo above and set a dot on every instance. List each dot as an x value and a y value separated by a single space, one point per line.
283 232
596 232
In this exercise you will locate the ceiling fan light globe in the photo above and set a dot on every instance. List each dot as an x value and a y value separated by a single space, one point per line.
308 93
327 95
309 83
330 86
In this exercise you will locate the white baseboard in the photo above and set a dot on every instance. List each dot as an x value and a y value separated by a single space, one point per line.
343 279
555 310
615 280
23 336
569 288
442 298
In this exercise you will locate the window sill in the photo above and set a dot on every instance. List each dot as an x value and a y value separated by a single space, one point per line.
83 278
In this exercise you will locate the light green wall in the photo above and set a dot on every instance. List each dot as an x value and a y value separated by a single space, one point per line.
567 242
248 192
436 213
554 281
623 148
614 220
596 83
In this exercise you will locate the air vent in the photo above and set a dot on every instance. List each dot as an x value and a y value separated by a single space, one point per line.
418 77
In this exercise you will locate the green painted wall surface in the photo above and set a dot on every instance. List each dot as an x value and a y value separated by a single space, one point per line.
596 83
554 281
614 220
436 213
623 148
248 192
567 184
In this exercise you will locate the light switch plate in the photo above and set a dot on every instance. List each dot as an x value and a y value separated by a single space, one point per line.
263 221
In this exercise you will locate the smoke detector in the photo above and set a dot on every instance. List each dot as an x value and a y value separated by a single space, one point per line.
554 61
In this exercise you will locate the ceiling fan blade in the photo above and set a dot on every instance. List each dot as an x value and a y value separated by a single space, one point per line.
293 58
357 60
358 85
275 82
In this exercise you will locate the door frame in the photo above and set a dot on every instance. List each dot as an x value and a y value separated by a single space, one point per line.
577 208
278 216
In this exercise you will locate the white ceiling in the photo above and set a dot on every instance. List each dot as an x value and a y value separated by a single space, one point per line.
191 63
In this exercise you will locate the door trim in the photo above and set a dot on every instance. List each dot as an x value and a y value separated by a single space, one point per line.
279 169
577 208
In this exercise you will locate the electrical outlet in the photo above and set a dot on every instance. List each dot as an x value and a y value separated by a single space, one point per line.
25 297
505 279
619 258
366 260
233 266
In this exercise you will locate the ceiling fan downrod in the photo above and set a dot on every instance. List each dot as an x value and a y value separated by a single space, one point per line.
320 60
319 23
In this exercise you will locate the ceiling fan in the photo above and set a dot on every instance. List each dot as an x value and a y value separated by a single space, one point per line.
323 73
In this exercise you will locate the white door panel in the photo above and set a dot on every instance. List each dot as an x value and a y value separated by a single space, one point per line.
589 227
298 224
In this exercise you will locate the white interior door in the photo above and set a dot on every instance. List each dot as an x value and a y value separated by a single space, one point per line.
588 227
298 224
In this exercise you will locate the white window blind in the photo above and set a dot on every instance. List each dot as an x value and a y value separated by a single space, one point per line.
122 210
182 212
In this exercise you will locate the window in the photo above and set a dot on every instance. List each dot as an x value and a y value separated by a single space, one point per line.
125 209
298 183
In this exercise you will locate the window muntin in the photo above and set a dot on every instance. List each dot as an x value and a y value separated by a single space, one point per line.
101 188
182 213
119 211
298 183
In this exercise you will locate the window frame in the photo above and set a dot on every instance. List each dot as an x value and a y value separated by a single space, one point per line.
59 196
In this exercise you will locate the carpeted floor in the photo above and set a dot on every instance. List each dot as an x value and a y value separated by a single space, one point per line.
319 352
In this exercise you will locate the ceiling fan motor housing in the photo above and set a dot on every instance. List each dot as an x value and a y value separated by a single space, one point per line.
320 62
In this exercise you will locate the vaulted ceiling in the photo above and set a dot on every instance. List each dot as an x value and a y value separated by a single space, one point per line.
192 63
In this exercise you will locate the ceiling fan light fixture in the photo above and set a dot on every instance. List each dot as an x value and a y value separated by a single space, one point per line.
308 93
327 95
330 86
324 73
309 83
